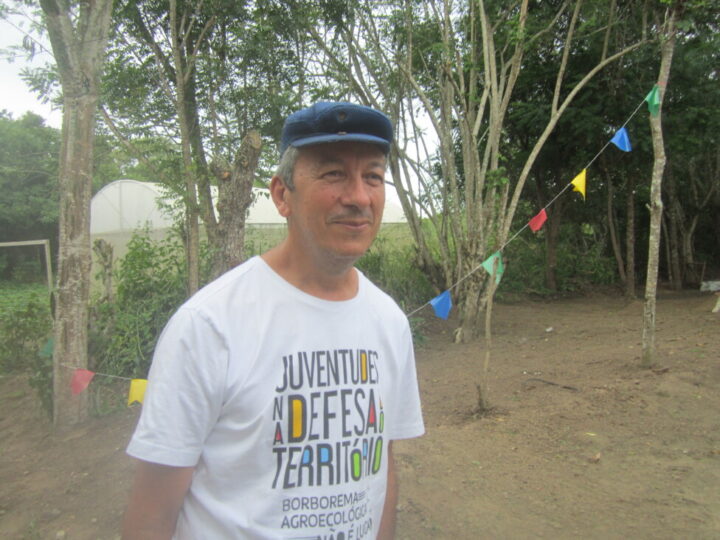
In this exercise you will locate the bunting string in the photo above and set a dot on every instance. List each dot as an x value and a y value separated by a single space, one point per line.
494 264
82 377
441 304
99 374
621 127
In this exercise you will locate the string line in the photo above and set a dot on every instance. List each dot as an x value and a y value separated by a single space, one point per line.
101 374
499 250
525 226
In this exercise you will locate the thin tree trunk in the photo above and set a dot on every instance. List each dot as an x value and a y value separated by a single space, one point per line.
192 212
656 205
630 240
674 226
612 226
666 244
552 234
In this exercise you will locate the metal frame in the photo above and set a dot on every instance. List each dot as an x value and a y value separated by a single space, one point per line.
48 261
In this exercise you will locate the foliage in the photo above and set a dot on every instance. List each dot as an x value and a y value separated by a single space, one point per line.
28 167
28 187
24 324
150 287
394 270
41 376
583 261
392 266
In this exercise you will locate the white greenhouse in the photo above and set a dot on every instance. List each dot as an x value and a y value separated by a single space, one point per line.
124 206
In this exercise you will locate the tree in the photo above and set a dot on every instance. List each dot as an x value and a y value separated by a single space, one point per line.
692 126
457 65
28 188
205 74
655 100
78 32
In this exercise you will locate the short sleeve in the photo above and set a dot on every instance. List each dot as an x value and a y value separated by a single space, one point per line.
185 392
407 416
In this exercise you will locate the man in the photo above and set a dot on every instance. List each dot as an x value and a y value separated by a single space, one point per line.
275 391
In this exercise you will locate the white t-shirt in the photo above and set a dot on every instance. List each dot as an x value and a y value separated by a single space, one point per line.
285 405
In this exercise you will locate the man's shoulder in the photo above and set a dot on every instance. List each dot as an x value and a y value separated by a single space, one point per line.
225 286
382 300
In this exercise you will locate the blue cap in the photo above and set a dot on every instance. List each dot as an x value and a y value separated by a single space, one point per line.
327 122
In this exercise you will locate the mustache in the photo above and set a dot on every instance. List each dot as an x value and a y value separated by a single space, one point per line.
353 214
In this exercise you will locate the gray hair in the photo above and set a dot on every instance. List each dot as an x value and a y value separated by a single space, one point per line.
286 166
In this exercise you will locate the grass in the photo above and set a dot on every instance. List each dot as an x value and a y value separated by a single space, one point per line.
259 239
24 322
14 296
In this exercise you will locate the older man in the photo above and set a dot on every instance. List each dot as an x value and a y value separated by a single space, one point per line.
276 391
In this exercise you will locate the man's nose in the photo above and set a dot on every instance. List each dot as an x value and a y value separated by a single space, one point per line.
356 191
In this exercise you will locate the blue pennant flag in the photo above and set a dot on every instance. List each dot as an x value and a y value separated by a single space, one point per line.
621 140
442 304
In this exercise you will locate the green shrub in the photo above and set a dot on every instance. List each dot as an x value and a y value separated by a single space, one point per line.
392 267
582 263
150 286
25 324
395 271
41 376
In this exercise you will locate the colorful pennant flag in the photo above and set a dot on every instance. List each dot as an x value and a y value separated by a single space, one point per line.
579 183
653 100
489 265
442 304
80 380
137 391
536 223
622 140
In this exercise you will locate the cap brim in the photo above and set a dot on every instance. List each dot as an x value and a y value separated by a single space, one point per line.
337 137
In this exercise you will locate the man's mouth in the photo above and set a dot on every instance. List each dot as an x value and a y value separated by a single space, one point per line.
354 222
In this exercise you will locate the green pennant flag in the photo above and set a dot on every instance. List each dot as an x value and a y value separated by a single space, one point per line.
653 100
489 265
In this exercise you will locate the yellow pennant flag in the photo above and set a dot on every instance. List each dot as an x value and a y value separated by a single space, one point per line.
579 183
137 391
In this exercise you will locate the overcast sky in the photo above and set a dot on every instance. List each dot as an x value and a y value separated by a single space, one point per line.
14 93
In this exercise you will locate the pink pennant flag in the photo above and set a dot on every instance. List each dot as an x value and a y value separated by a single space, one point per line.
80 380
536 223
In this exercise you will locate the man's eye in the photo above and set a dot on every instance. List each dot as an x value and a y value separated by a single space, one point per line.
376 178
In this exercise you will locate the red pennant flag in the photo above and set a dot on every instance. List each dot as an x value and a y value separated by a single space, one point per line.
536 223
80 380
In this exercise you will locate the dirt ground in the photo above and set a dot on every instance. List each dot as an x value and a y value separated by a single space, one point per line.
582 443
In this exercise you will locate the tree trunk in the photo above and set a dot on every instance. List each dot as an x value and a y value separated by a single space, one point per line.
552 234
235 198
675 225
656 205
472 290
630 240
74 260
192 211
612 227
665 234
79 52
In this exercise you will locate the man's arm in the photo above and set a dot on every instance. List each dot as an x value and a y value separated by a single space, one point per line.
387 523
155 500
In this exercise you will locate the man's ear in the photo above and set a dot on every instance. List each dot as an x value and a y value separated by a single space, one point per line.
280 193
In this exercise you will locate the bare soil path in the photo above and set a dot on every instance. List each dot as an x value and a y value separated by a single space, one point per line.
582 443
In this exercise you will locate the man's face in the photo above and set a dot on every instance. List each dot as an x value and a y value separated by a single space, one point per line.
336 207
